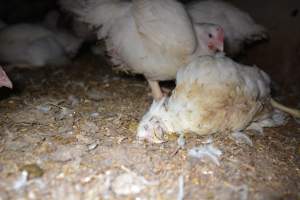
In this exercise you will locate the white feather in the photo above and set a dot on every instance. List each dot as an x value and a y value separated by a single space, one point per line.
213 94
208 151
166 23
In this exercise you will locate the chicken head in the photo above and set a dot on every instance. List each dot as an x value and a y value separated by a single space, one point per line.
211 36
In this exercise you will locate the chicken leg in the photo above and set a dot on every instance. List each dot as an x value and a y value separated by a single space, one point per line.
156 91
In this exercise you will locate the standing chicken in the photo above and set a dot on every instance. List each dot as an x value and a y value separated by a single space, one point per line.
239 27
154 38
4 80
213 94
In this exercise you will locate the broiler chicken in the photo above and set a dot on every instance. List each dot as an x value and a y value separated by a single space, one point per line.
213 94
26 45
154 38
239 27
4 80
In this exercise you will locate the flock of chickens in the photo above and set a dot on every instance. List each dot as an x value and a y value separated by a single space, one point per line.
163 40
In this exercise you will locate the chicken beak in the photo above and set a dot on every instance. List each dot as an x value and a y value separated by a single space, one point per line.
4 80
6 83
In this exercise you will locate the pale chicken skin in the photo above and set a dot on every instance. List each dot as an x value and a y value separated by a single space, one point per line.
213 94
4 80
153 38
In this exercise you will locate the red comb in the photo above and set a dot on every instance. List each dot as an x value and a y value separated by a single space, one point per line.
220 36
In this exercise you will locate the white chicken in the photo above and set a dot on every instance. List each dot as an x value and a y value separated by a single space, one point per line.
213 94
239 27
4 80
154 38
26 45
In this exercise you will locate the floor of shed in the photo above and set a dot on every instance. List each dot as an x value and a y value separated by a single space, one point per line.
73 130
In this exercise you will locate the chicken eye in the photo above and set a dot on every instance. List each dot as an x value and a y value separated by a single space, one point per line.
210 35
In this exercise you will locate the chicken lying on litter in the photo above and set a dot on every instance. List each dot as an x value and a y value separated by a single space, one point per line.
26 45
239 27
4 80
154 38
213 94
